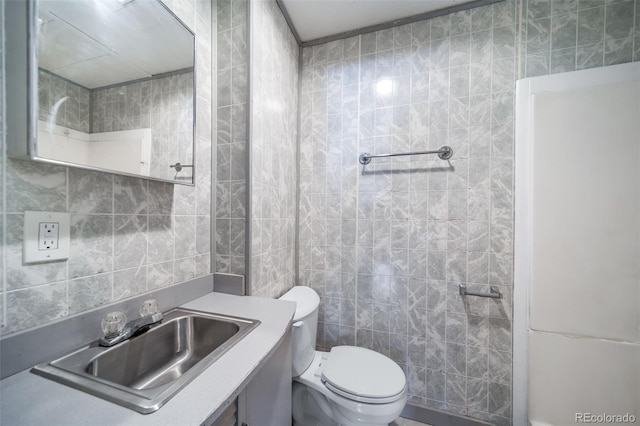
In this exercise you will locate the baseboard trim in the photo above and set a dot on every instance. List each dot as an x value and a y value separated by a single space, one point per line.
438 418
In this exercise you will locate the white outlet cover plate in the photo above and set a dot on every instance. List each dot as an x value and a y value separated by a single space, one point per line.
30 251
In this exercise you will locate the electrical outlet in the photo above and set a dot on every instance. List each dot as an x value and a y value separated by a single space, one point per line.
46 236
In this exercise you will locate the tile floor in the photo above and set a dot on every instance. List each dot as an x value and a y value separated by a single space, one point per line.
401 421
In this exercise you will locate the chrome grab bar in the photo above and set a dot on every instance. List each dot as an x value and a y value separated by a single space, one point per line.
494 293
444 153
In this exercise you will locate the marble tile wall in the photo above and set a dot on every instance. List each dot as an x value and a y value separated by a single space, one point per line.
569 35
386 245
128 235
165 105
73 113
231 174
274 112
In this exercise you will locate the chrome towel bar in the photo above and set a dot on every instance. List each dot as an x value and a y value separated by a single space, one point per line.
179 166
444 153
494 293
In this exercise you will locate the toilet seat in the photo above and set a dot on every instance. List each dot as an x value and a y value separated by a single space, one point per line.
363 375
362 399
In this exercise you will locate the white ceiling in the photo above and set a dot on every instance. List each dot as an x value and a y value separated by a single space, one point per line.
100 43
314 19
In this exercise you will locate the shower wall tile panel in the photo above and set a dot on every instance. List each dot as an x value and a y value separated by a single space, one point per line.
128 235
569 35
231 164
274 112
387 244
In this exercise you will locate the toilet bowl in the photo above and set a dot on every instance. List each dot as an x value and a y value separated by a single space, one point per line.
319 402
348 386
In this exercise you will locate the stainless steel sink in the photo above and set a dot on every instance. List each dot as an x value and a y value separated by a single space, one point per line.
144 372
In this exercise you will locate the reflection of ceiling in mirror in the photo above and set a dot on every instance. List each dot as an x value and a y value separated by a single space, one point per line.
112 42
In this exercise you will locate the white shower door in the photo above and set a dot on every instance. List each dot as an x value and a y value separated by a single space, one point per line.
577 252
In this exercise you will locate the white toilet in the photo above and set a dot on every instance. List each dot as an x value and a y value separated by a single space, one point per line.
348 386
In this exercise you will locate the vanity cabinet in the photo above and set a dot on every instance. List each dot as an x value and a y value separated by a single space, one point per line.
266 400
229 417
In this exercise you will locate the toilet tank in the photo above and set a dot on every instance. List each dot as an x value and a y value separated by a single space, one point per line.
305 325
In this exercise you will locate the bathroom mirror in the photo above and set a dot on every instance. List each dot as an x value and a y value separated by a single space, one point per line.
111 87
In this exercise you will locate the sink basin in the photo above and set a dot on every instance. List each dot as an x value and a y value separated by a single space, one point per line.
144 372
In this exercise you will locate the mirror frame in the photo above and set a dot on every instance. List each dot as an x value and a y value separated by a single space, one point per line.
22 93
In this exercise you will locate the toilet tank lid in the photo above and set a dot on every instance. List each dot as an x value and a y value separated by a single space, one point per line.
307 300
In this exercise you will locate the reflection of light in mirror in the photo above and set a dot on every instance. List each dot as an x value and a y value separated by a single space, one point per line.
54 113
384 87
125 1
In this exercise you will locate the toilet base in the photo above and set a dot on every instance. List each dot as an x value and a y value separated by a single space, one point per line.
312 408
306 409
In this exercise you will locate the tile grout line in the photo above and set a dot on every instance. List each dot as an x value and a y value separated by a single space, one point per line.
490 207
577 11
467 186
66 262
113 234
146 267
490 191
604 34
357 186
634 37
446 257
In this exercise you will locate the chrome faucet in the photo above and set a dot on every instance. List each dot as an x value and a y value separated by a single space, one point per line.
116 331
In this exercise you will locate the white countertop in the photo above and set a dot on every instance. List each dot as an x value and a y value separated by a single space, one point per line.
30 400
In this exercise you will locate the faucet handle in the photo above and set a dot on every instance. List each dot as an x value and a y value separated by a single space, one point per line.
149 307
113 324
